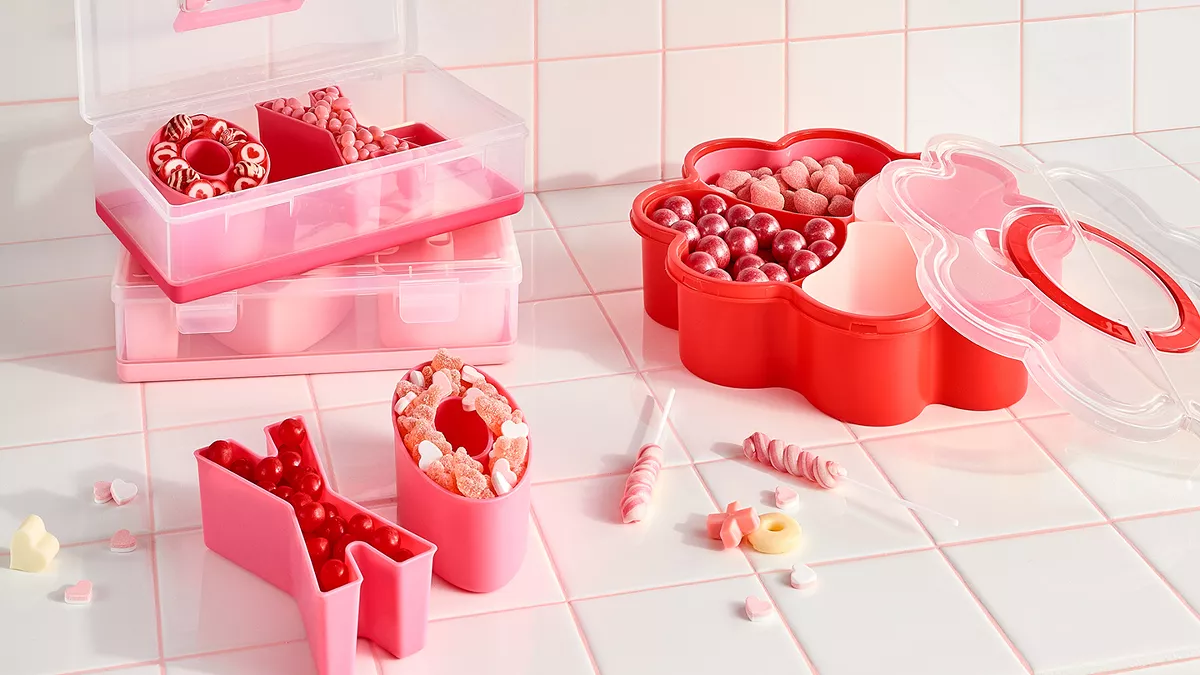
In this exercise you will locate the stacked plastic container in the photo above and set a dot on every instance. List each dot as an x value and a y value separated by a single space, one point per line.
329 264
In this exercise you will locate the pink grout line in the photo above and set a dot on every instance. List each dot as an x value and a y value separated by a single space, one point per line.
662 90
326 453
1147 666
47 282
1021 75
970 591
558 579
153 543
537 104
47 240
38 101
51 355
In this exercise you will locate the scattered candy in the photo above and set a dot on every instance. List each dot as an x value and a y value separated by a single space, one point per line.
639 486
758 610
79 594
404 401
732 524
510 429
428 454
786 499
123 492
32 547
122 542
791 459
470 398
102 492
503 477
777 533
802 577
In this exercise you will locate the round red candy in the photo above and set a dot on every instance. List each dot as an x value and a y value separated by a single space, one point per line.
716 247
310 515
291 432
690 232
361 526
682 206
802 264
787 243
283 492
291 460
309 483
664 217
387 540
330 509
338 552
298 499
710 204
824 249
718 273
268 469
741 241
242 468
267 485
765 227
318 550
700 261
221 453
333 574
752 275
818 229
750 261
738 215
334 527
712 223
775 272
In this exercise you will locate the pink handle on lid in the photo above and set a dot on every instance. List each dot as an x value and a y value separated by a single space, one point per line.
192 14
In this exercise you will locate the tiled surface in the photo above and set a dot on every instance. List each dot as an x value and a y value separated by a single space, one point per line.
1041 572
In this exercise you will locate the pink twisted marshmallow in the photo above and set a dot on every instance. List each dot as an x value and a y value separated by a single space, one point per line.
791 459
639 487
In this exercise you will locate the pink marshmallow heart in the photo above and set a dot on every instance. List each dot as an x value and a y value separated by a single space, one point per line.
503 478
758 610
79 594
786 499
122 542
101 491
732 179
470 398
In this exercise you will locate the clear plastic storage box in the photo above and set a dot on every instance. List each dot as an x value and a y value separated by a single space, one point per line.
382 311
143 61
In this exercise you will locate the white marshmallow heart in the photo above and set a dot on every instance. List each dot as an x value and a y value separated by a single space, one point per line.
802 577
123 492
514 429
429 453
32 547
503 478
417 378
469 374
404 401
469 398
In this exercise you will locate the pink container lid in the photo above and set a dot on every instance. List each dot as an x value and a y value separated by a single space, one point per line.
1063 269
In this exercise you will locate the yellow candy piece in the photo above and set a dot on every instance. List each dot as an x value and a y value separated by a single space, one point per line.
32 546
777 533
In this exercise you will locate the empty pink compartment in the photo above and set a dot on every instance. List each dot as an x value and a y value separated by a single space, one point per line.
385 601
481 542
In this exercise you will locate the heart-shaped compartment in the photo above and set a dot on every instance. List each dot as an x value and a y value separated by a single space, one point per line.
873 353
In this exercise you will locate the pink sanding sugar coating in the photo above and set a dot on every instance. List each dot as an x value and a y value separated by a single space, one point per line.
515 450
841 207
639 487
791 459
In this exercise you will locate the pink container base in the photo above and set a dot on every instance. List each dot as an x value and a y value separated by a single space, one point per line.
481 542
385 601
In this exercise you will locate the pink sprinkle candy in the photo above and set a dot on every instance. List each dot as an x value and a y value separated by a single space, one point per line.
795 175
830 188
761 194
350 153
810 163
810 203
341 103
732 179
841 207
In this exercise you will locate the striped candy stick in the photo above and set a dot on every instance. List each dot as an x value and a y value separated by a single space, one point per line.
639 487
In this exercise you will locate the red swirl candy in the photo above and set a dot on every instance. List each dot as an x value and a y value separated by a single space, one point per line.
178 128
250 170
182 178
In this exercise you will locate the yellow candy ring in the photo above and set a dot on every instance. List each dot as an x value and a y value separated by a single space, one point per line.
776 533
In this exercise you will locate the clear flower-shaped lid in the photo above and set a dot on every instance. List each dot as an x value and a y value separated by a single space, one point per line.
1063 269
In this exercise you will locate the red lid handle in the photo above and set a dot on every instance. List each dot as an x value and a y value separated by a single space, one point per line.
1182 338
193 15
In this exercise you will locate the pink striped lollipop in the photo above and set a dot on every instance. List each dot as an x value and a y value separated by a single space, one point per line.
791 459
639 487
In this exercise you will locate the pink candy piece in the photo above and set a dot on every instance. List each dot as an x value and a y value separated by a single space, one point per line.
363 134
830 188
376 133
810 203
732 179
639 487
332 91
335 125
102 491
341 104
346 139
732 524
795 175
278 104
841 207
363 154
295 103
122 542
811 164
350 153
309 117
762 194
791 459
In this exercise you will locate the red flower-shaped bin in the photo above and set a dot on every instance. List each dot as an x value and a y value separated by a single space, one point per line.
856 337
384 601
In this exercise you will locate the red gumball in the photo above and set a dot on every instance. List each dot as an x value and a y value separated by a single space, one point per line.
700 261
765 227
267 485
221 452
361 526
292 476
738 215
291 432
334 527
716 247
775 272
318 550
330 509
243 468
712 223
718 273
802 264
386 540
749 261
664 217
752 275
741 241
824 249
269 469
311 484
310 515
710 204
818 229
402 554
689 230
338 552
283 492
682 206
333 574
787 243
298 499
290 460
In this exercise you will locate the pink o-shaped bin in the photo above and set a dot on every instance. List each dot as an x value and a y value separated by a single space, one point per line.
481 542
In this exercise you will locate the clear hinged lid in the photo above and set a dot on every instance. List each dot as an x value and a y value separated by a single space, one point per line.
146 54
1063 269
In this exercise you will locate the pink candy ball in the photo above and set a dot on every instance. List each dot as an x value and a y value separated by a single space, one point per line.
664 217
376 133
689 230
775 272
818 228
321 111
764 226
341 103
710 204
701 262
716 247
389 141
803 264
346 139
738 215
824 249
332 91
350 153
295 103
741 242
335 125
712 223
718 273
750 261
681 205
363 153
787 244
287 110
364 135
310 118
753 275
